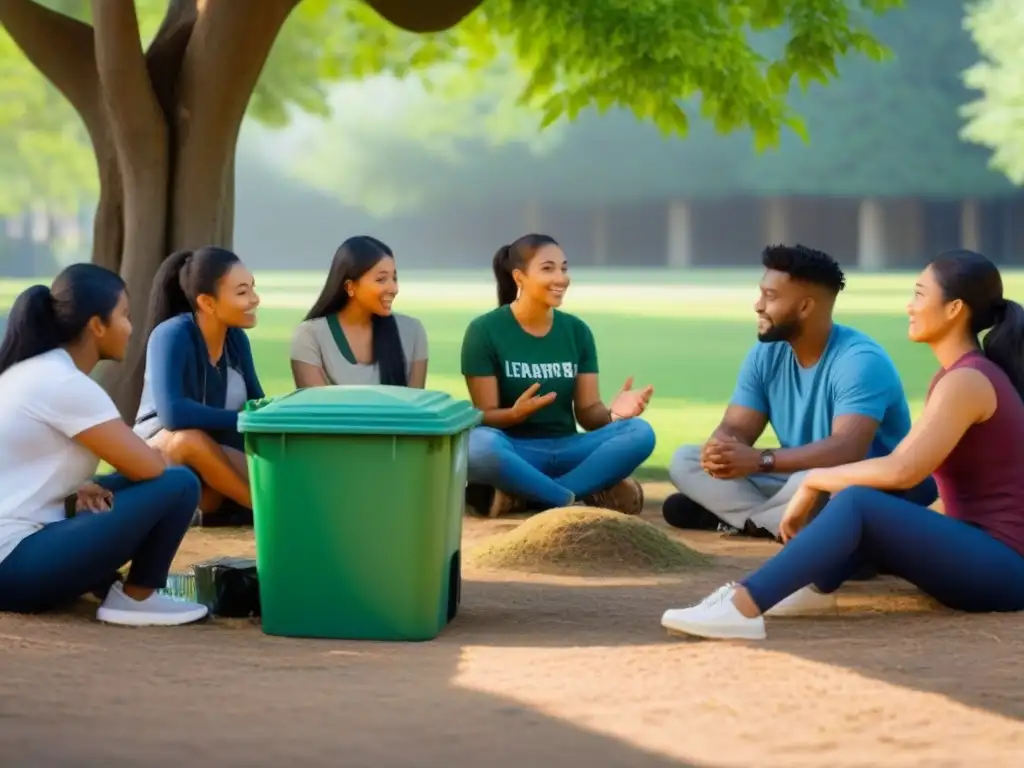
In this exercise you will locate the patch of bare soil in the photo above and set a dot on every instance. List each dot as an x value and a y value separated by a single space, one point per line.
551 670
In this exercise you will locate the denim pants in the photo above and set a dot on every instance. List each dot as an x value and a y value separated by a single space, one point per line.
957 563
555 471
66 559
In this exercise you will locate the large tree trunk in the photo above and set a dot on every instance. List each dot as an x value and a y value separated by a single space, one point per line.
164 125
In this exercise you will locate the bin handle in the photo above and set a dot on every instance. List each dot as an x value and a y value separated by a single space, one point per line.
255 405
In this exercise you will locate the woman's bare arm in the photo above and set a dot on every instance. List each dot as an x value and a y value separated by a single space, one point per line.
306 375
591 412
418 374
962 398
115 443
483 391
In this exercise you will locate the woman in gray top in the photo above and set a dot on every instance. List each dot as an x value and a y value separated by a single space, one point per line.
351 336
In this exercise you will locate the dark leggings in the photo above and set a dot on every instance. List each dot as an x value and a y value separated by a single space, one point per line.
65 560
958 564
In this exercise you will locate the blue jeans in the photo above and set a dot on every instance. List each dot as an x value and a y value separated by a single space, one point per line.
556 470
958 564
66 559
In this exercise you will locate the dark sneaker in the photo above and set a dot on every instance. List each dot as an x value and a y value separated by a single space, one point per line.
626 496
478 498
485 501
757 532
866 572
501 504
228 515
680 511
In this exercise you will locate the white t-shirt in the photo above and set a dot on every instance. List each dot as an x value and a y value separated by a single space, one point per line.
44 402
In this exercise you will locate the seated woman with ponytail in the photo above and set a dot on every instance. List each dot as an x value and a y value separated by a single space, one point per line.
970 437
532 369
200 372
351 336
64 532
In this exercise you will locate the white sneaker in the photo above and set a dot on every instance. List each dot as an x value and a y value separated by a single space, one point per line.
715 617
155 611
804 602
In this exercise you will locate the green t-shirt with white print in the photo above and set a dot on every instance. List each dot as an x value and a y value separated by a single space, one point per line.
496 345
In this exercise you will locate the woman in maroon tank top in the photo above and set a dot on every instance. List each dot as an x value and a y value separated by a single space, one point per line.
970 437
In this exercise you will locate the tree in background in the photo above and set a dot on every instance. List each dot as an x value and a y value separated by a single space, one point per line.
886 129
996 118
163 118
40 132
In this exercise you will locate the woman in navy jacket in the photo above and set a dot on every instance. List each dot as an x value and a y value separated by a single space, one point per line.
200 372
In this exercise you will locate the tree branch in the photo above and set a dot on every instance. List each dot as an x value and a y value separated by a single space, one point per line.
424 15
139 133
124 78
108 223
164 60
166 53
61 48
226 220
225 55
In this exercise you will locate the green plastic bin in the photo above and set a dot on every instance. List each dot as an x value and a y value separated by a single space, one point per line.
357 502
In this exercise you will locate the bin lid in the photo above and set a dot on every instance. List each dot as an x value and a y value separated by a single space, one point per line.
360 410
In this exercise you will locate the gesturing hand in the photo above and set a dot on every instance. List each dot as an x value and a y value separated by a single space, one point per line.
630 402
93 498
529 402
798 511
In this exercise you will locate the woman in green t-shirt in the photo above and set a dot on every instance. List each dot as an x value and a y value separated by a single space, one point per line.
532 370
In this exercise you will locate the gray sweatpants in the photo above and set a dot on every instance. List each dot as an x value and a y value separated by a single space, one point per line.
760 498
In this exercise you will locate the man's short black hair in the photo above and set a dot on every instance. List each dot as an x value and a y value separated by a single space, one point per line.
806 264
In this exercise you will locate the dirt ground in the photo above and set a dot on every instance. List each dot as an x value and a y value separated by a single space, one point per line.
550 671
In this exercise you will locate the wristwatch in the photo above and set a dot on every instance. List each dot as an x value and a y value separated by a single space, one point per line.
767 463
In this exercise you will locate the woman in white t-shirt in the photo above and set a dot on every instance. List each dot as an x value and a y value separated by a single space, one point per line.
64 532
351 336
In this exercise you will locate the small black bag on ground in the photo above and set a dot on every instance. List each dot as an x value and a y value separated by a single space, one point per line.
229 587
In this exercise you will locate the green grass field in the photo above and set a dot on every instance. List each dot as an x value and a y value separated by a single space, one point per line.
685 333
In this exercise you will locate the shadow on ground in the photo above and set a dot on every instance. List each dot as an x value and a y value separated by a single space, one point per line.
549 671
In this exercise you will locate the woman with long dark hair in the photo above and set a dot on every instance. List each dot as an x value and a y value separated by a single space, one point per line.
351 335
64 532
969 437
200 372
532 369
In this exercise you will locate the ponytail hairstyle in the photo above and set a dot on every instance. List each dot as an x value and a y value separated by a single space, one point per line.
353 259
974 280
43 319
183 277
512 257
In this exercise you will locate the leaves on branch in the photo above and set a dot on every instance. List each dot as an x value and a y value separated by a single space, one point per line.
656 58
995 119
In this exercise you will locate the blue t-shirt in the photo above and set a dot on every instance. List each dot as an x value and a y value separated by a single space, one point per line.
853 376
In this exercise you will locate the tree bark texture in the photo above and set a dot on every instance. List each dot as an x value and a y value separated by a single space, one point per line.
163 123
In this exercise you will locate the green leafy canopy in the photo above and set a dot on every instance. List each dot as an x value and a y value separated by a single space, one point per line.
886 128
647 56
996 118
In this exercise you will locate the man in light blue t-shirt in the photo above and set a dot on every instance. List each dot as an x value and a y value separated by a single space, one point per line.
831 394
